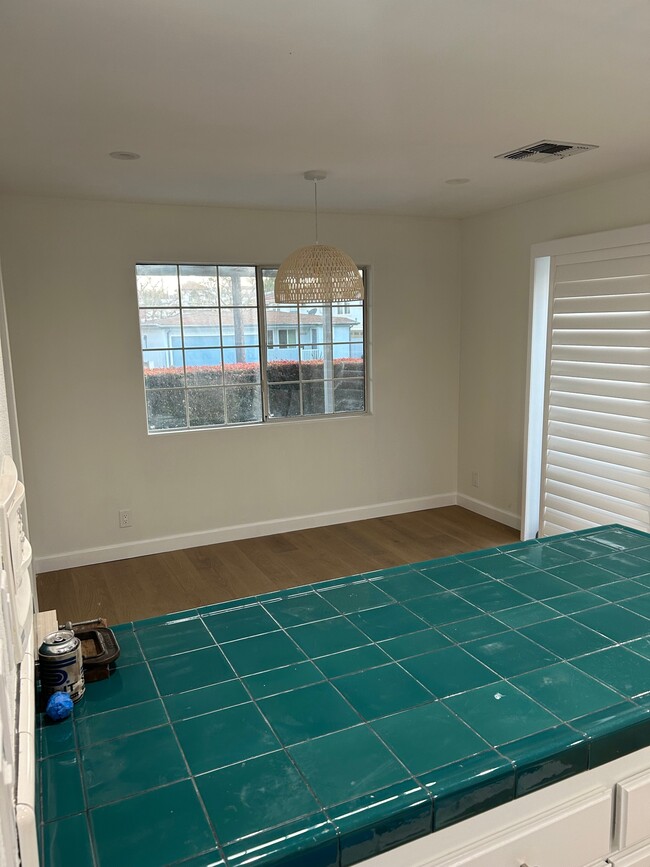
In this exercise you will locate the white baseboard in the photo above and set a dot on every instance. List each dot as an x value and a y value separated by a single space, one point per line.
488 511
108 553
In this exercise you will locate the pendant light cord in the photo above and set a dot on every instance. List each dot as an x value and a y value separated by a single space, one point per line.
316 207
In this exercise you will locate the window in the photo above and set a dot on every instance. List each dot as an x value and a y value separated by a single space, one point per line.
217 350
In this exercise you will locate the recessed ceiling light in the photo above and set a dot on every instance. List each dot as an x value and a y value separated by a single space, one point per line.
124 155
455 181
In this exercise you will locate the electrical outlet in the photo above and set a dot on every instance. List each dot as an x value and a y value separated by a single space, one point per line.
125 518
475 479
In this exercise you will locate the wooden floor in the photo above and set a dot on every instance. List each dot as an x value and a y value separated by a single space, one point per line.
162 583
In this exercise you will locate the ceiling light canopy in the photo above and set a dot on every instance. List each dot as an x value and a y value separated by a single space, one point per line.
124 155
318 273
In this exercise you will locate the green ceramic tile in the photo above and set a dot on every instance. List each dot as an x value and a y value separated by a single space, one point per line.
356 597
624 564
212 858
643 552
347 764
176 637
349 661
619 668
474 627
626 589
381 691
565 637
378 822
61 786
303 608
330 636
206 699
224 737
155 828
282 679
640 645
54 737
500 713
124 721
542 556
116 769
67 836
388 622
448 671
510 653
408 585
618 538
614 732
308 713
456 575
493 597
566 691
640 604
130 651
500 566
441 609
251 796
262 652
540 585
469 786
525 615
581 548
190 670
241 622
164 619
586 575
582 600
414 644
547 757
615 622
129 685
307 842
441 737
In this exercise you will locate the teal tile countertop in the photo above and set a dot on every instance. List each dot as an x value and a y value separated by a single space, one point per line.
325 724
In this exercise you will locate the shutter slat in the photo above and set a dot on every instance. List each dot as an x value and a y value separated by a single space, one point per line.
605 269
616 457
591 467
587 370
623 320
597 288
604 303
602 354
604 420
636 337
601 387
596 403
589 489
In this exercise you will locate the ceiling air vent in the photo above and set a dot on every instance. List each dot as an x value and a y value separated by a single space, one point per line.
546 151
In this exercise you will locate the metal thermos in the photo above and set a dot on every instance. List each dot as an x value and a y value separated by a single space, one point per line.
61 664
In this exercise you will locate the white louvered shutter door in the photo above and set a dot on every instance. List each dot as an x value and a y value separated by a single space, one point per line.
596 463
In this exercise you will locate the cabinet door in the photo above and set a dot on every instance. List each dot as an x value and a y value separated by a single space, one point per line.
638 858
574 834
632 810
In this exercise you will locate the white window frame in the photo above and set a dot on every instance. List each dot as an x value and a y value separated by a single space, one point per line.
264 346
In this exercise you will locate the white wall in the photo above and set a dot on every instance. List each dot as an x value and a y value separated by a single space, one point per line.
72 312
494 316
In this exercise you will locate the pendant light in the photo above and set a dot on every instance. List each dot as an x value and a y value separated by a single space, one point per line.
318 273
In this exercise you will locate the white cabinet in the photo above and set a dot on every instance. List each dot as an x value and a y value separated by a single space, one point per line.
632 811
640 857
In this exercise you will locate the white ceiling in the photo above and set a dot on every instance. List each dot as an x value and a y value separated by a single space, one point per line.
229 101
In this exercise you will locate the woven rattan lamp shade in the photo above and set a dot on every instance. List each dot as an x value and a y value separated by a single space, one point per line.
318 273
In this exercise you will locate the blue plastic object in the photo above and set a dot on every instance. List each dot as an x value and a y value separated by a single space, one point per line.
59 706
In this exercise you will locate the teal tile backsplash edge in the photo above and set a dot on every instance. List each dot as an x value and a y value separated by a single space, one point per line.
368 824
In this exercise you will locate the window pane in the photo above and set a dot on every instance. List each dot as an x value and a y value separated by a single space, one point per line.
157 326
313 397
348 367
203 367
311 368
239 326
166 409
268 284
205 406
348 395
199 285
163 368
201 327
237 286
284 400
283 370
157 285
243 403
238 374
